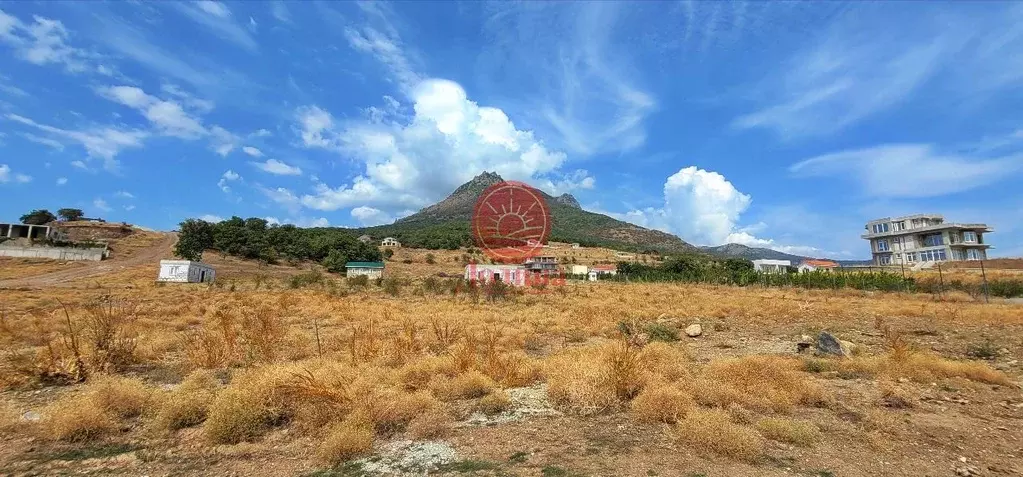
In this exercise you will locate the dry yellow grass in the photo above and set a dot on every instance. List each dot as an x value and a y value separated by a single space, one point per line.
189 404
712 430
345 441
246 408
790 431
494 403
120 396
662 402
762 383
76 419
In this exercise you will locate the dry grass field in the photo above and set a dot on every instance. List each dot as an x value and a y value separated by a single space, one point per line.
266 374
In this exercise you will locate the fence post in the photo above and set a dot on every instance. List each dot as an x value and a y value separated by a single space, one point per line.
941 281
903 266
983 275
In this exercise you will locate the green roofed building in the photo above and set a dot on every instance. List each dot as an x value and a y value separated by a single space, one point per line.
369 269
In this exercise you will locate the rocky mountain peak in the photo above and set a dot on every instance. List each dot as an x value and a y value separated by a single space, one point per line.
567 199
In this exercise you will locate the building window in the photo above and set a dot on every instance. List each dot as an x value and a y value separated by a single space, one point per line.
897 226
880 228
911 257
933 240
970 237
882 246
972 254
884 260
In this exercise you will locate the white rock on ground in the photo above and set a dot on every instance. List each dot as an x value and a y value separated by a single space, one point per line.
694 330
409 458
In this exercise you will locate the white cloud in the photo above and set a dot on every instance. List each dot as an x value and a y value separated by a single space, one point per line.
368 216
198 104
44 141
273 166
104 143
211 218
168 117
44 42
382 41
282 196
909 170
7 176
129 208
272 220
61 181
101 205
280 11
79 165
261 133
222 141
216 9
578 180
252 151
577 58
447 141
228 176
124 195
217 17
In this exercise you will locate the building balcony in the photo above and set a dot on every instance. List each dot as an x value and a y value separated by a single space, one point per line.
982 228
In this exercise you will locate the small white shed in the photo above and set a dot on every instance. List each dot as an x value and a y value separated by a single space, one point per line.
185 271
771 266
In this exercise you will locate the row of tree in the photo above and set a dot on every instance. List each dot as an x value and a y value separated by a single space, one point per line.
254 238
43 216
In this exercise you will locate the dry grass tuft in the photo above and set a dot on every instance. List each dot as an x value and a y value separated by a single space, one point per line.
922 367
77 419
189 404
431 424
894 397
494 403
469 385
122 397
246 408
345 441
761 383
713 430
661 402
800 433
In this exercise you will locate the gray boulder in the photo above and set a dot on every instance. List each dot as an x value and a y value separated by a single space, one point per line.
827 343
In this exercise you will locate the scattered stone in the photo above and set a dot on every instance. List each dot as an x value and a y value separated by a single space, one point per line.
801 347
694 330
828 344
31 416
409 458
848 347
967 471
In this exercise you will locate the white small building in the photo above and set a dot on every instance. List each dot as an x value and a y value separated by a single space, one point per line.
365 238
369 269
772 266
580 269
390 242
598 270
510 274
185 271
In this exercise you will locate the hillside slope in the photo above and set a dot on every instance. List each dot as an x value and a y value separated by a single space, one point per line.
438 225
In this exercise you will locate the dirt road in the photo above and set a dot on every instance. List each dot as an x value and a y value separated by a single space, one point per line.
153 254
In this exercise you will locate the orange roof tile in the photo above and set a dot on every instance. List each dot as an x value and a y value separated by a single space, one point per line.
820 263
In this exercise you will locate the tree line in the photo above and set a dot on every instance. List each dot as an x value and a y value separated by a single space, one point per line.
44 216
255 238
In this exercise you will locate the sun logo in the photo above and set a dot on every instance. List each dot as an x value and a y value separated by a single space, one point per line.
511 221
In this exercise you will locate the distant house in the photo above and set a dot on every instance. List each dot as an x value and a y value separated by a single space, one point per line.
575 245
369 269
542 264
390 242
771 266
510 274
812 265
365 239
185 271
597 270
580 269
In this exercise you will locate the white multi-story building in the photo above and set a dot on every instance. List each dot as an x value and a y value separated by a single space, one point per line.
924 238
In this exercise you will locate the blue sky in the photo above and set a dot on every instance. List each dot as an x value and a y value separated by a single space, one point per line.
786 125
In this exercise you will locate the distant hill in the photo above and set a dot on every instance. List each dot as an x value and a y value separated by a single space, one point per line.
446 224
735 250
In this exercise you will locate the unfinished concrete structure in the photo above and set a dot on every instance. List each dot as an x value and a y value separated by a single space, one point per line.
26 231
924 239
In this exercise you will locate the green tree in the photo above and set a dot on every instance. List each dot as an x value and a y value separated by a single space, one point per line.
194 238
388 253
38 217
70 215
335 261
430 259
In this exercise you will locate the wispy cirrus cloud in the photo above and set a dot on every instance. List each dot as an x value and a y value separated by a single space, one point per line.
273 166
910 170
99 142
217 17
45 41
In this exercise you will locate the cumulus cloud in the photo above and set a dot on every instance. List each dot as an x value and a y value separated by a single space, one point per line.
410 162
7 176
229 176
43 42
909 170
211 218
252 151
700 206
124 195
273 166
169 117
368 216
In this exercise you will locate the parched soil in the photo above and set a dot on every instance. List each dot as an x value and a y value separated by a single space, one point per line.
147 253
945 426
